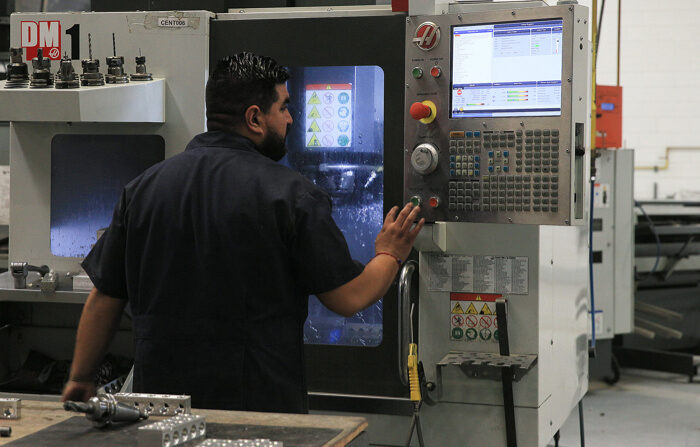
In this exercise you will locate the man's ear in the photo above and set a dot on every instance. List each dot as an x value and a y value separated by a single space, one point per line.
253 118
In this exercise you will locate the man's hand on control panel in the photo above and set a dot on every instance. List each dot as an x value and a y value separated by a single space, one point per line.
396 237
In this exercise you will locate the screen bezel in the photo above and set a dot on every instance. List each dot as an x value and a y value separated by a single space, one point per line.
463 25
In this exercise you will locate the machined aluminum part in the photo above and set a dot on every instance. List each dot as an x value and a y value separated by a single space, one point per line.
172 431
240 443
157 404
10 408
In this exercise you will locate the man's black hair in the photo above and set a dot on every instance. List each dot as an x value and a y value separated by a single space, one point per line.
238 82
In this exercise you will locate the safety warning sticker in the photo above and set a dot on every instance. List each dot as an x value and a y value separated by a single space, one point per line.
328 115
474 314
478 274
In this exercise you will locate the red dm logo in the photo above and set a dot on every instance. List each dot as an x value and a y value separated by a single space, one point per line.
43 34
427 36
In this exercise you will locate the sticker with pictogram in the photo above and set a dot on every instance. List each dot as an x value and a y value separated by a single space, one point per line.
476 311
44 34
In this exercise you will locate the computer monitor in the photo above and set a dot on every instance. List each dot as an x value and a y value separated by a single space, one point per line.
507 69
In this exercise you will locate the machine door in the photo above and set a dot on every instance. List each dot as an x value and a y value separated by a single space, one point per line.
347 101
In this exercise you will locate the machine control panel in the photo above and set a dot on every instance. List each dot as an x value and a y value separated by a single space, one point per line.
497 116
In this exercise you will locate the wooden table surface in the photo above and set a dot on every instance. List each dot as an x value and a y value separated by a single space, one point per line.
38 415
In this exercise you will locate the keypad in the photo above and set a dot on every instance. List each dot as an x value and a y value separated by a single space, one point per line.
504 171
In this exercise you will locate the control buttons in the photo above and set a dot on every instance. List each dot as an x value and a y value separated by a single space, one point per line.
424 158
435 71
424 112
417 72
434 202
415 201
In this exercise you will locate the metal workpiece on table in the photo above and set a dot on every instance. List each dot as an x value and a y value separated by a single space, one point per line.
240 443
10 408
17 71
157 404
5 432
41 74
173 431
105 410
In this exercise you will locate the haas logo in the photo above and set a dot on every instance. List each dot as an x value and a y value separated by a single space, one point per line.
427 36
43 34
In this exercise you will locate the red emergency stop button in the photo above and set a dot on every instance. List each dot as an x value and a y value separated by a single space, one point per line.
436 71
420 111
434 202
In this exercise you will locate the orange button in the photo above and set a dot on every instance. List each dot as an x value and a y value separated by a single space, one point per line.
434 202
419 111
436 71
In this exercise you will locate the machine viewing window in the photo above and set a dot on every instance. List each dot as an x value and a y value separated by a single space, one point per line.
337 142
88 173
507 69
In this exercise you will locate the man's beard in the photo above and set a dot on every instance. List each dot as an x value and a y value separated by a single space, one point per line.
274 145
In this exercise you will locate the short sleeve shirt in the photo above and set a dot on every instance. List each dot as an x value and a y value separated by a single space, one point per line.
217 249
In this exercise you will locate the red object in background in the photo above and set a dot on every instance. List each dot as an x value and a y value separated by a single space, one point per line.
399 5
419 111
608 116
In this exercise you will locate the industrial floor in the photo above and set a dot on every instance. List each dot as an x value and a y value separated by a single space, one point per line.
644 409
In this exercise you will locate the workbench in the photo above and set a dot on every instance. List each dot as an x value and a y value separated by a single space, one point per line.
342 431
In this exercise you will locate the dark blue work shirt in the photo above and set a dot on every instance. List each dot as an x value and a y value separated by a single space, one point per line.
217 249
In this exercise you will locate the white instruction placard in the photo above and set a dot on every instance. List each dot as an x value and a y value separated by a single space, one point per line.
440 273
478 274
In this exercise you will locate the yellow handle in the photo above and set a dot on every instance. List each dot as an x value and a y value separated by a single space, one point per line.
413 382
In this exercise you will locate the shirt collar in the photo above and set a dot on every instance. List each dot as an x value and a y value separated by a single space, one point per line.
217 138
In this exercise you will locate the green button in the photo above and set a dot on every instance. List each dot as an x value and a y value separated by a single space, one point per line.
415 201
417 72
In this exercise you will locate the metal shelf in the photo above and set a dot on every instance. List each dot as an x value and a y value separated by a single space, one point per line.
135 102
64 295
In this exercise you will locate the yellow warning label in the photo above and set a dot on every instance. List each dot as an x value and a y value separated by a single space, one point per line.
486 310
314 99
314 127
457 309
313 142
471 309
328 87
314 113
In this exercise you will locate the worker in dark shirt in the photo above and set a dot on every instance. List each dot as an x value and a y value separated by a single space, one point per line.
216 251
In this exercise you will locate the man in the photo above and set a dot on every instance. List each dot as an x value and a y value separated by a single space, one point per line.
216 250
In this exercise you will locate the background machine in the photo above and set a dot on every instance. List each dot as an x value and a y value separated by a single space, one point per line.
480 114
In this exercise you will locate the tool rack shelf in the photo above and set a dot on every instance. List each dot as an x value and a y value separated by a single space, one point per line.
134 102
34 295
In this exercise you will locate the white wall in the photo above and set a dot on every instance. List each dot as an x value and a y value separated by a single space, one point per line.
660 75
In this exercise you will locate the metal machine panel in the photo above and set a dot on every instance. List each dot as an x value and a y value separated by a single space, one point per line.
30 142
613 242
549 320
315 47
496 151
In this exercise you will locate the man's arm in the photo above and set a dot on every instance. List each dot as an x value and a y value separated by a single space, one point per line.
98 324
395 238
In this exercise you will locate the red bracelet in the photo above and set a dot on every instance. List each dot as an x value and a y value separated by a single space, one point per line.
398 261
